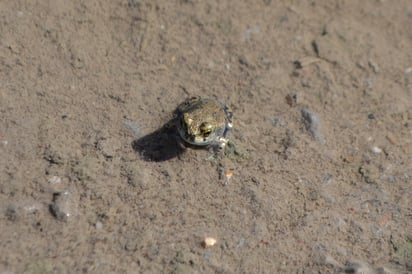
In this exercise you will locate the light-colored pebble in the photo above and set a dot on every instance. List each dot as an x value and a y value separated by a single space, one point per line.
64 205
227 175
312 124
209 242
408 70
55 180
99 225
376 150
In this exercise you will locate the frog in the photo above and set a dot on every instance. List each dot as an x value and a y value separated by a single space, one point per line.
203 122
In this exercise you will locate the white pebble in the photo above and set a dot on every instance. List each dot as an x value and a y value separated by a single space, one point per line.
209 242
312 123
55 180
376 150
64 205
99 225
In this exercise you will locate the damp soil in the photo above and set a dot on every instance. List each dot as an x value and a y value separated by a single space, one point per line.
318 176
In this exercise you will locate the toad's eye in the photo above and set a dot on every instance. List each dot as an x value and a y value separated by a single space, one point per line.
205 129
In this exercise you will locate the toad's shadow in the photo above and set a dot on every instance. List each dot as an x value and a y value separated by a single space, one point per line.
160 145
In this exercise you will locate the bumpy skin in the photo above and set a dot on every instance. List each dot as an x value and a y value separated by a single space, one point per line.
203 122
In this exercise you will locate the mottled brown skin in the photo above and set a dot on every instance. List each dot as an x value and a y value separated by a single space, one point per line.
203 122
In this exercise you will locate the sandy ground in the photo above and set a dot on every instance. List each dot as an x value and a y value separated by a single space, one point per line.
322 173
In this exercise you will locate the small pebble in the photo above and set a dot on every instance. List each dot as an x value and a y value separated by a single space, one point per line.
358 268
391 138
312 124
228 173
99 225
64 205
278 121
241 243
374 66
408 70
209 242
371 116
11 213
305 61
55 180
291 99
376 150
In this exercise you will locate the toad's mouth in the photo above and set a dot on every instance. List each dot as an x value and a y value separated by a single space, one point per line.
194 139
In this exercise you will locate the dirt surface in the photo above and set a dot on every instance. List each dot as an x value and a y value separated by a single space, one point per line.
91 181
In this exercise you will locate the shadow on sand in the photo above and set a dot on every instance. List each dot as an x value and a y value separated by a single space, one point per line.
160 145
